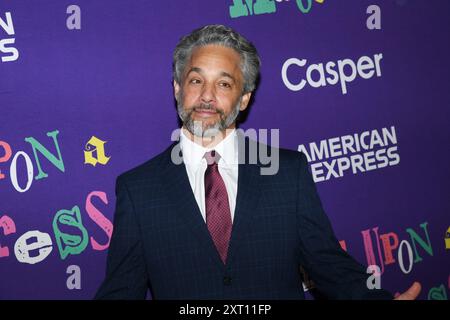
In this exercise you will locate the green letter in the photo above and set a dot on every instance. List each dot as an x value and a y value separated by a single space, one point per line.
302 7
239 9
69 243
416 238
57 162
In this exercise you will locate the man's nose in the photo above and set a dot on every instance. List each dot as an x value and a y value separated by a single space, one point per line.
208 93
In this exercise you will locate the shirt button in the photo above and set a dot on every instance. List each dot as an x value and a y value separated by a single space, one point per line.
227 281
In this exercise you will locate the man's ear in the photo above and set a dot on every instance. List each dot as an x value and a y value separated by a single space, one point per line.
176 89
245 99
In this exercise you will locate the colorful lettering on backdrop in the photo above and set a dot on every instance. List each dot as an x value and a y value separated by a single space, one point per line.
241 8
40 243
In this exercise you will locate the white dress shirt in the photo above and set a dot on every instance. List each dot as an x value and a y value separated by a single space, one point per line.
196 166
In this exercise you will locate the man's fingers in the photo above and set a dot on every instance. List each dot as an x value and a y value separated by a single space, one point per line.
411 293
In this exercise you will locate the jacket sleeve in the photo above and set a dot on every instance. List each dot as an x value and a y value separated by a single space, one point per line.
335 274
126 276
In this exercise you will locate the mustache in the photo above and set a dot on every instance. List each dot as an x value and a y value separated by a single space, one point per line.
208 107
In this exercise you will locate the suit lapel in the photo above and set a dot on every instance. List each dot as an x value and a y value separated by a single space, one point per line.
248 194
178 187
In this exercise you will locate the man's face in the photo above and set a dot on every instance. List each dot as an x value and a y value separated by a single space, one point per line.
210 95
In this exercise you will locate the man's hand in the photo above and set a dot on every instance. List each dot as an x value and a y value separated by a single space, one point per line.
411 293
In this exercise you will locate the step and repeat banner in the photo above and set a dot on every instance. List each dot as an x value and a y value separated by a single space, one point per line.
361 87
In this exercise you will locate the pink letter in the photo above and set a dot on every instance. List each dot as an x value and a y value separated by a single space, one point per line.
9 227
6 157
343 245
99 219
368 246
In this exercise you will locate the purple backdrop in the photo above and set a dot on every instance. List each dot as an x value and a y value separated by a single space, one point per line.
102 69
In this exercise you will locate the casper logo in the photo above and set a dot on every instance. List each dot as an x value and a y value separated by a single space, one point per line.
7 51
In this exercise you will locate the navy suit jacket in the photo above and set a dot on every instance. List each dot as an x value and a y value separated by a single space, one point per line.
161 242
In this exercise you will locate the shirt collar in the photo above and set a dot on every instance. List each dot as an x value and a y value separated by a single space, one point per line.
193 152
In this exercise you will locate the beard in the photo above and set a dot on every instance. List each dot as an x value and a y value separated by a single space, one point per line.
203 129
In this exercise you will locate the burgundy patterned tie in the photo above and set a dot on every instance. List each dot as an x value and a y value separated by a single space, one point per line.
218 214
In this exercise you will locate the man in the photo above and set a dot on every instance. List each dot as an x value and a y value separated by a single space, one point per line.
212 226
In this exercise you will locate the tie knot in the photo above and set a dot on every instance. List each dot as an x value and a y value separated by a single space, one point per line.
212 157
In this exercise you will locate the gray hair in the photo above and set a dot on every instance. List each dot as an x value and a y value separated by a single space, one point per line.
224 36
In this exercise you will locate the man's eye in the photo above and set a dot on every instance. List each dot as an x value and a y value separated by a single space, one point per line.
195 81
225 84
